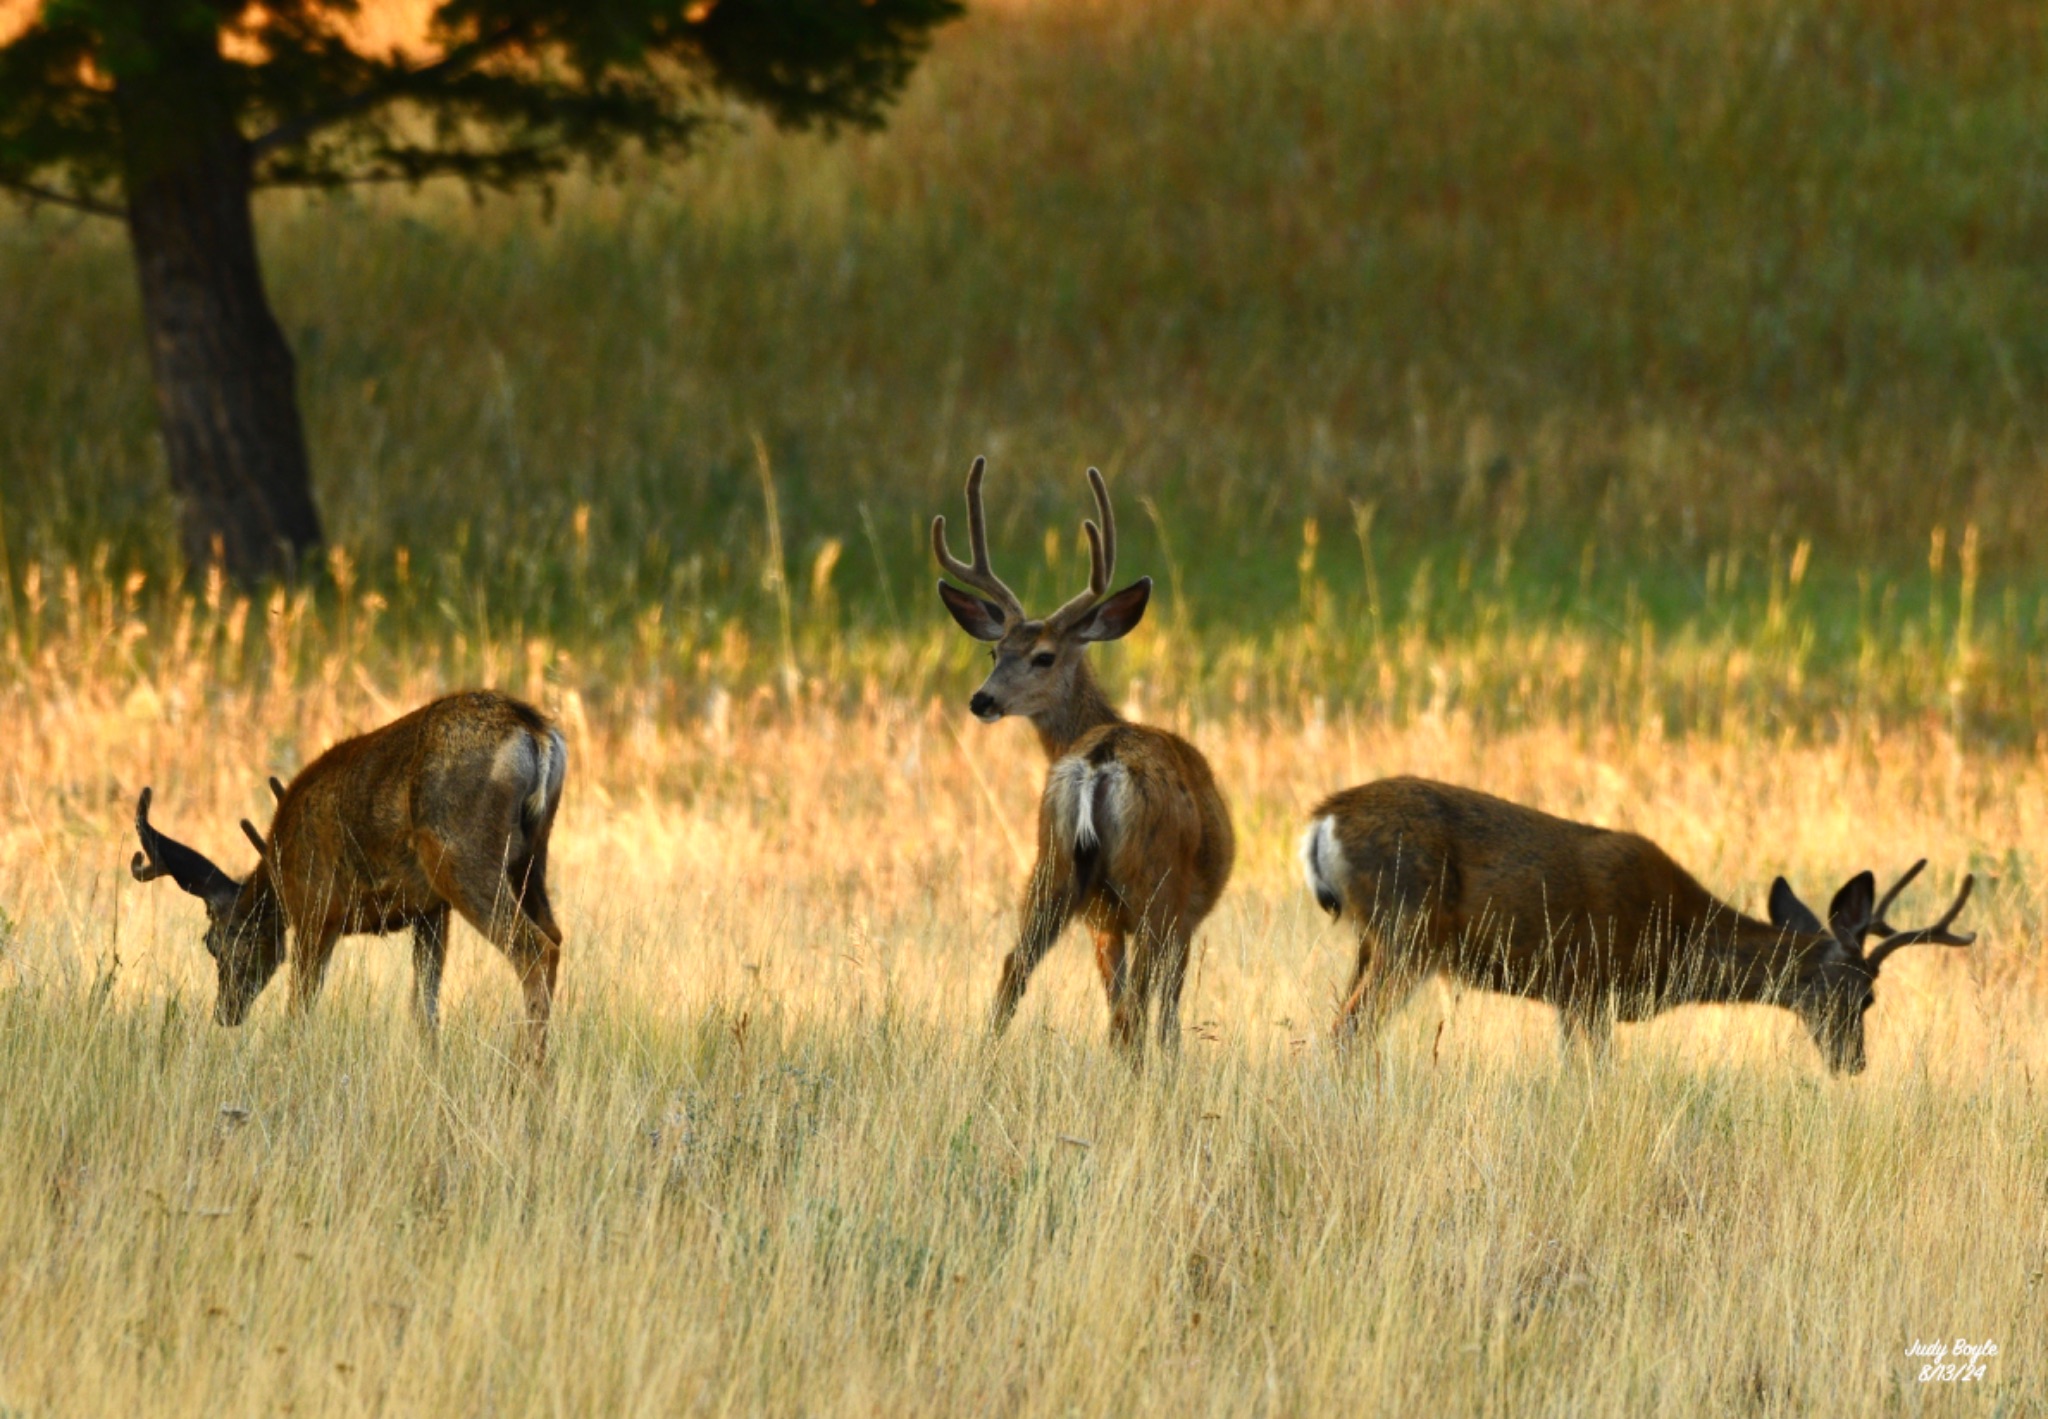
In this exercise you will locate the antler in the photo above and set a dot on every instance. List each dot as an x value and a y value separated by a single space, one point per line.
1877 922
1938 934
978 576
167 857
1101 559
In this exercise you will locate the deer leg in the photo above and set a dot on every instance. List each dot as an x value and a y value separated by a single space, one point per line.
1111 961
1173 977
1380 986
1130 1001
1158 961
479 890
1048 905
1354 993
529 878
310 954
429 953
1374 1001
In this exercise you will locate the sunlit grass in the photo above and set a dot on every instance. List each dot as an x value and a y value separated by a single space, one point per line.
776 1166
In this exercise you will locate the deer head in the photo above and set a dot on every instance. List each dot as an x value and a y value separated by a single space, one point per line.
244 924
1040 668
1834 986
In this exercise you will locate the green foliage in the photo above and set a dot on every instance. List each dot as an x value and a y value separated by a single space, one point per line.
517 89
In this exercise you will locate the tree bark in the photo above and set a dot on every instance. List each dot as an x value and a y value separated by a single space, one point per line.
226 383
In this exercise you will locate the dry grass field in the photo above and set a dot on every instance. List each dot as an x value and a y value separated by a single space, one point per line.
1632 408
776 1167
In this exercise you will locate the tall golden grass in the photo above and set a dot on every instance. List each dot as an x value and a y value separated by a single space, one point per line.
776 1166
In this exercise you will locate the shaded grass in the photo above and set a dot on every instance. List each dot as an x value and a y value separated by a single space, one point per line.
1675 279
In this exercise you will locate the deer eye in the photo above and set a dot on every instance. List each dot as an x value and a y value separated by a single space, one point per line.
1043 659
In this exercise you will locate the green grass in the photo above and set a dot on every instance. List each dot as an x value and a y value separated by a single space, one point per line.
1676 278
1600 313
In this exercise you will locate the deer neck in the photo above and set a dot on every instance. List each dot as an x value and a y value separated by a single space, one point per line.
259 908
1753 961
1084 708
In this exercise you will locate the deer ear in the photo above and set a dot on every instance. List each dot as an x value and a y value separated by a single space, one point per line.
1788 912
981 619
1114 617
1849 912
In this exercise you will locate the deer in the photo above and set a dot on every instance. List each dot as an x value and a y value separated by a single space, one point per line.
1602 924
450 806
1133 836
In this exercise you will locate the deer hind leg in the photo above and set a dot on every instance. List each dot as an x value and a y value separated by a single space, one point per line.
1048 906
429 954
1130 1000
1386 975
1158 967
1375 999
478 888
1172 975
528 876
1112 960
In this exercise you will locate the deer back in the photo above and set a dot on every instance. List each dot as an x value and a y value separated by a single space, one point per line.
1500 892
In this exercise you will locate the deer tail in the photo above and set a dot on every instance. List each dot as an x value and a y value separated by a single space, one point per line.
552 766
1322 863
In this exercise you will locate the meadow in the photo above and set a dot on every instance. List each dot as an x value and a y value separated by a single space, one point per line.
1631 409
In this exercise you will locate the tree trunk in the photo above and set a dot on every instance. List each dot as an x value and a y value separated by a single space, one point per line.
226 383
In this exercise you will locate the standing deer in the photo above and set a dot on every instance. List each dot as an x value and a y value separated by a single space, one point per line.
1132 834
1601 924
449 806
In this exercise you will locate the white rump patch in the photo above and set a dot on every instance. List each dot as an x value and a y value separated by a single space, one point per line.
1071 791
1322 864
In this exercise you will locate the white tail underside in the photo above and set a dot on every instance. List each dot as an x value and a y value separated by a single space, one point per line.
1322 863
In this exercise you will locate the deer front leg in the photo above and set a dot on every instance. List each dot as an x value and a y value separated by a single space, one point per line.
429 954
311 951
1048 904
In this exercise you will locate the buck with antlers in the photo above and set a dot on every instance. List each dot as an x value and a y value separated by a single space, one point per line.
1132 835
1601 924
450 806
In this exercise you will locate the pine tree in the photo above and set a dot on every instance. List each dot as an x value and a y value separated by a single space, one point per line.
168 115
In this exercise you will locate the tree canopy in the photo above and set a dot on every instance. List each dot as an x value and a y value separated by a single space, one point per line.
510 90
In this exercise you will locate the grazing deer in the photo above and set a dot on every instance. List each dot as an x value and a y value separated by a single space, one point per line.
1132 834
449 806
1601 924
